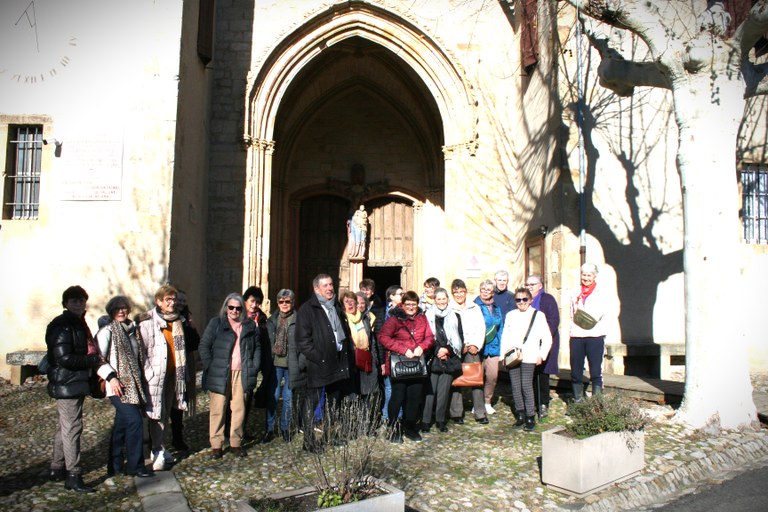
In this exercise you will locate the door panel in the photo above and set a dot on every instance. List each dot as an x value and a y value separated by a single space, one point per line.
322 240
390 234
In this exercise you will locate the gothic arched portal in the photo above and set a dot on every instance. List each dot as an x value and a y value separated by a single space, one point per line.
358 89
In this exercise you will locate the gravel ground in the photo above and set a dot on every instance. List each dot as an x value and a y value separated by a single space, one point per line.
472 467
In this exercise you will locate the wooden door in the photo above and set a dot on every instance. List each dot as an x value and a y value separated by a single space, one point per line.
322 240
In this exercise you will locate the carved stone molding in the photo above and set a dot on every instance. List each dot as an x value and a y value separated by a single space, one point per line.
268 146
469 147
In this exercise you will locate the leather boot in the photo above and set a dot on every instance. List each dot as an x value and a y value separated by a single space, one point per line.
597 389
74 482
578 391
520 419
411 431
530 423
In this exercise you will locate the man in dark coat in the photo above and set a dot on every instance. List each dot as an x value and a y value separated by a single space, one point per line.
72 355
323 337
547 304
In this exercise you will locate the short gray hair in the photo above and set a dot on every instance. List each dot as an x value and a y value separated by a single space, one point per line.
238 298
285 292
487 282
589 268
500 273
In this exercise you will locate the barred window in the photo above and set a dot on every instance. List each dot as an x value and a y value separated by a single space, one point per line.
22 174
754 200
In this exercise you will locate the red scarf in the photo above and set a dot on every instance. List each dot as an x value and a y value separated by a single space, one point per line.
586 291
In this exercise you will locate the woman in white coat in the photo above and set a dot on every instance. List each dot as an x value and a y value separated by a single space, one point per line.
535 348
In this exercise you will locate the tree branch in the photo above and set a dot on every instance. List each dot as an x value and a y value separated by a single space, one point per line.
752 28
621 75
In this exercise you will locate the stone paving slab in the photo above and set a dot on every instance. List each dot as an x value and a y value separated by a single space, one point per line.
472 467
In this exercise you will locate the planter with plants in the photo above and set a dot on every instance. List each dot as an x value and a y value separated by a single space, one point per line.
603 443
340 478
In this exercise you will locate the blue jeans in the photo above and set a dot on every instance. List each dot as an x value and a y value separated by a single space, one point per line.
127 431
279 387
593 349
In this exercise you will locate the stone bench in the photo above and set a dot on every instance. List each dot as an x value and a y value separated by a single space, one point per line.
667 354
23 364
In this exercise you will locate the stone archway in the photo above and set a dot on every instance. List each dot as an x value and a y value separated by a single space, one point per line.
353 85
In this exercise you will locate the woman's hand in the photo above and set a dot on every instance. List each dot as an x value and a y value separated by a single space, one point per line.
472 350
539 361
408 353
117 386
418 351
443 353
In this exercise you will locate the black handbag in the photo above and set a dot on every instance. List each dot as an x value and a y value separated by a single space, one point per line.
402 367
451 365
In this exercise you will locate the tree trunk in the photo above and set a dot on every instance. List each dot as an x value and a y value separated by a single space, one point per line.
718 392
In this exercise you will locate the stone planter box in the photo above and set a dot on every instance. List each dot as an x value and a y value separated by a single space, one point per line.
392 500
581 467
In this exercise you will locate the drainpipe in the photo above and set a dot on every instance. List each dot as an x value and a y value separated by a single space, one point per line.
580 124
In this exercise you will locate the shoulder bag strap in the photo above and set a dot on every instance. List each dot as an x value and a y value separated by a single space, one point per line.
530 326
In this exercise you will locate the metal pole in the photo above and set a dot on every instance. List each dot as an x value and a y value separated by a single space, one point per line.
580 125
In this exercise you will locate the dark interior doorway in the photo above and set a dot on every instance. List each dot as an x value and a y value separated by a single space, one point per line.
384 277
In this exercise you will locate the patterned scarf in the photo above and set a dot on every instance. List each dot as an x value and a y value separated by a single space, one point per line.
281 336
180 355
127 364
359 334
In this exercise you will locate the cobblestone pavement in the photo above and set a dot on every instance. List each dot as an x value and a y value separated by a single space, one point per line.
472 467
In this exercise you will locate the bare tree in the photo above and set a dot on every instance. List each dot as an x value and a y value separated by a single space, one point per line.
711 72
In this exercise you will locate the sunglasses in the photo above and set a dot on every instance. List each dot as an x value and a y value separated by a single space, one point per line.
524 299
284 301
234 308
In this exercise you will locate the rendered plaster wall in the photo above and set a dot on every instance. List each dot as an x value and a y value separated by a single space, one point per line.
105 202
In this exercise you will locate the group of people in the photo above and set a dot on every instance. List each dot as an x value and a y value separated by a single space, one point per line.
311 358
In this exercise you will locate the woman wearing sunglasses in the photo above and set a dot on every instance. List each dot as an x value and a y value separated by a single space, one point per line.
230 352
282 332
531 333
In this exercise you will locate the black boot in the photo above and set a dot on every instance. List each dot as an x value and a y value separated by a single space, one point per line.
74 482
411 432
520 419
177 429
578 392
57 475
530 423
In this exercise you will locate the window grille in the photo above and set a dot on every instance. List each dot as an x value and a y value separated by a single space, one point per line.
22 177
754 200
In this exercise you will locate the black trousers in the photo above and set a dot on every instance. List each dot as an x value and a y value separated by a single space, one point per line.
408 393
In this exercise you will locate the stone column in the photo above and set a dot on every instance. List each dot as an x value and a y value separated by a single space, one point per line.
257 217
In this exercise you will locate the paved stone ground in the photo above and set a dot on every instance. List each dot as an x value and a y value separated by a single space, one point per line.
472 467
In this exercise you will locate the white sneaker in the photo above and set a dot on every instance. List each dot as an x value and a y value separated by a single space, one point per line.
158 461
489 409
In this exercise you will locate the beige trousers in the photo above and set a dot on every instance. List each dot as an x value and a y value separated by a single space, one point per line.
491 368
235 399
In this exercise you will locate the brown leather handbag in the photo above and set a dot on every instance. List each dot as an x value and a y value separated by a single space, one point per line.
471 375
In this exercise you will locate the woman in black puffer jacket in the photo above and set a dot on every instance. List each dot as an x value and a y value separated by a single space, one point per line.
231 354
72 356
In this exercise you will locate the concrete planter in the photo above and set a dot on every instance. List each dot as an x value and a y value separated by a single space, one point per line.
580 467
392 500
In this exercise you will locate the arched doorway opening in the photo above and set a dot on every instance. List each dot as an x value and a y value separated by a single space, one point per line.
353 87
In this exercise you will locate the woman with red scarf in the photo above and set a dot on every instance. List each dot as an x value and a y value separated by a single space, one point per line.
591 310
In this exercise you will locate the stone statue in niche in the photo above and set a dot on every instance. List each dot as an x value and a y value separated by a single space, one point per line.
357 230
